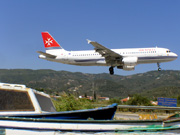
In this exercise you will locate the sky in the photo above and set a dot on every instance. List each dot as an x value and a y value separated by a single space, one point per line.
112 23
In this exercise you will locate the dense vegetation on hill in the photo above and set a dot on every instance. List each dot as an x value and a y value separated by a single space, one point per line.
150 84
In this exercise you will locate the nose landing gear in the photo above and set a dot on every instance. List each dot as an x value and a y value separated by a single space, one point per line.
111 70
159 68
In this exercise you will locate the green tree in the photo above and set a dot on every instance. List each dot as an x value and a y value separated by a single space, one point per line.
139 100
114 100
68 102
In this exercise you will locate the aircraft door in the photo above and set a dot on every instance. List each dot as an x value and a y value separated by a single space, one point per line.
67 57
64 56
159 53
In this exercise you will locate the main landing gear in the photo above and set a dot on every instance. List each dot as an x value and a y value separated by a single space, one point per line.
111 70
158 64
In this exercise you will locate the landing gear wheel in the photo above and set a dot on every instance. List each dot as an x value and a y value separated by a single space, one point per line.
111 70
159 69
158 64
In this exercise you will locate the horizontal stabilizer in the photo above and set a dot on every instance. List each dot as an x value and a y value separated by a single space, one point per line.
47 54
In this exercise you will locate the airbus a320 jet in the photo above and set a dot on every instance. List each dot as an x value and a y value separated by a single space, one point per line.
125 59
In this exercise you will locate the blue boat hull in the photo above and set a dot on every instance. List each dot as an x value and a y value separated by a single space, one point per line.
103 113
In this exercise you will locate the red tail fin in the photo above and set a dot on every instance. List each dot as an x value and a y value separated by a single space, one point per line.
49 41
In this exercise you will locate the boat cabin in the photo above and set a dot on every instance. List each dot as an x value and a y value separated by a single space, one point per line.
18 99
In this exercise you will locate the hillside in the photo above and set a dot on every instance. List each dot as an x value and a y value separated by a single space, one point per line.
153 83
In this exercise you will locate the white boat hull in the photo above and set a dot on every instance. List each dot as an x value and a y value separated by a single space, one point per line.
74 125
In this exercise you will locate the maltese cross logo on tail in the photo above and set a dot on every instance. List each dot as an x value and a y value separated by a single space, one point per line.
49 41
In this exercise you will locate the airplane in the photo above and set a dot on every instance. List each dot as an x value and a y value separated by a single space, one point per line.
125 59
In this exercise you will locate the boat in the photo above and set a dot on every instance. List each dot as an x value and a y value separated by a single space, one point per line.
102 113
27 110
119 126
19 101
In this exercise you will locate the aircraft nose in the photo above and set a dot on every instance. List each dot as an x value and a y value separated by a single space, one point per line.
175 55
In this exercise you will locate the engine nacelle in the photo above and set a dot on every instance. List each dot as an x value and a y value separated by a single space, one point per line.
129 63
130 60
128 68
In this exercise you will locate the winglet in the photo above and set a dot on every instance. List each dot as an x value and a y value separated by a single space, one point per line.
89 41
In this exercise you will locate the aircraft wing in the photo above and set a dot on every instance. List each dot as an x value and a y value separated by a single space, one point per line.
47 54
109 55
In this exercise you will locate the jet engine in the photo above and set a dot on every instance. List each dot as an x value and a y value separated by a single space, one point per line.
129 63
128 68
130 60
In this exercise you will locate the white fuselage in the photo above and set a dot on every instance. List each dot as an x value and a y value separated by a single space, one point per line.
92 58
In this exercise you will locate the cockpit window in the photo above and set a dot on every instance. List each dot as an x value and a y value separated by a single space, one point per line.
168 51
